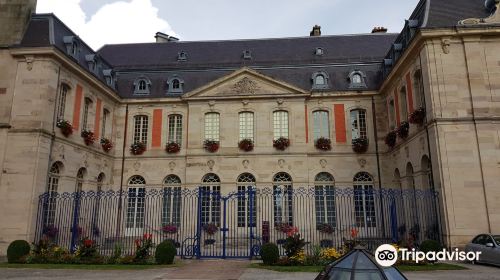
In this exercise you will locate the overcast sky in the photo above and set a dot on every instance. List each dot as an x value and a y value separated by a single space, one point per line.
100 22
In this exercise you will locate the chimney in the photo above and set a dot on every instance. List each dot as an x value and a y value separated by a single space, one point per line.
379 29
164 38
316 31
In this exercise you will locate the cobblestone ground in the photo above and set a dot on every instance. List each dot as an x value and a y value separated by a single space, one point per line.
225 270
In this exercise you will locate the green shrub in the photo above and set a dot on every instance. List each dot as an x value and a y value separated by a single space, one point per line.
165 252
270 253
430 246
17 250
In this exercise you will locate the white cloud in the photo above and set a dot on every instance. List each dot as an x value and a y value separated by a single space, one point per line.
119 22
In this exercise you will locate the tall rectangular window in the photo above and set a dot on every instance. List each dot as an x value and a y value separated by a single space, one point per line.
175 129
105 117
404 104
358 124
246 125
321 125
212 126
210 205
280 124
392 118
86 111
171 206
61 102
141 129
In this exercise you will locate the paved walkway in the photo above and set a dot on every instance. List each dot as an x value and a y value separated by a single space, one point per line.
224 270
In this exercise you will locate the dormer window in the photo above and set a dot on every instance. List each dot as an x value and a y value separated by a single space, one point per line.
72 45
182 56
247 54
357 80
109 76
175 85
142 86
92 62
320 80
319 52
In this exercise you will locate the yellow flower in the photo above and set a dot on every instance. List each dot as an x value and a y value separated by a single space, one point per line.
330 254
300 257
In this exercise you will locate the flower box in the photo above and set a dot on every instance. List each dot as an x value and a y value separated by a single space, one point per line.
325 228
65 126
246 145
173 148
323 144
106 144
211 146
360 145
210 229
418 116
169 229
88 137
209 242
391 138
137 148
281 143
404 130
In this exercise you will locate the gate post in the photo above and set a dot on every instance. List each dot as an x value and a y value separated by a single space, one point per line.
224 227
251 194
74 227
198 226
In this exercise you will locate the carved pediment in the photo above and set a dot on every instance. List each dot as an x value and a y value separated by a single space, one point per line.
245 82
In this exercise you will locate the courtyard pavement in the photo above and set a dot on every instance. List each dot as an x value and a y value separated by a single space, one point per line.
225 270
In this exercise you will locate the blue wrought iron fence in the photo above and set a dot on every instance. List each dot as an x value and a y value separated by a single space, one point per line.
204 222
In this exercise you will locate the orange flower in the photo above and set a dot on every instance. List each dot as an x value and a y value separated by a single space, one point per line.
147 236
354 233
137 242
292 231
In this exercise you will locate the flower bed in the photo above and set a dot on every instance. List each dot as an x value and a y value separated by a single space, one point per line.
323 144
211 146
137 148
246 145
173 148
360 145
403 130
66 127
281 143
106 144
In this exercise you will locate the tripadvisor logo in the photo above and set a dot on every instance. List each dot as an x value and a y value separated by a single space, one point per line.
387 255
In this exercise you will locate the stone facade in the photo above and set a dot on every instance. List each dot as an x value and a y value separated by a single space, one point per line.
450 72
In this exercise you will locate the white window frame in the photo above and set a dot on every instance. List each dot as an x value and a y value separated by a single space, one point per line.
321 121
141 123
86 113
212 126
175 128
61 101
247 124
358 124
280 124
324 193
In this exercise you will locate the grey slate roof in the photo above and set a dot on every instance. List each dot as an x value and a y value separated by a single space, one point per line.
447 13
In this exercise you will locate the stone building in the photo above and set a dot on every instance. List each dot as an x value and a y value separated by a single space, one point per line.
440 72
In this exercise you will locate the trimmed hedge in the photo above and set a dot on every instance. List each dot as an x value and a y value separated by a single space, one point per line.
430 246
270 253
17 250
165 252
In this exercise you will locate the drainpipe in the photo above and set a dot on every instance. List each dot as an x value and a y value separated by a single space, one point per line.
120 201
374 118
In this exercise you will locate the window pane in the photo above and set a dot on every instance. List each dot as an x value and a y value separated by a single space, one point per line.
141 129
246 125
212 126
321 124
61 103
403 105
175 129
280 121
358 124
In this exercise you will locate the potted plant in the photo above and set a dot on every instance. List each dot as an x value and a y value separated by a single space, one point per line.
65 126
282 227
246 145
50 232
390 139
137 148
404 130
173 147
360 145
88 137
325 228
281 143
106 144
323 144
418 116
210 229
169 229
211 146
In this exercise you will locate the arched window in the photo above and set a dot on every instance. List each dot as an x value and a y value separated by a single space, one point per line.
212 126
357 80
79 179
280 124
135 206
171 214
246 206
319 51
320 80
404 103
321 124
100 181
97 206
142 86
49 213
427 180
182 56
282 199
61 101
397 178
410 180
175 129
358 124
210 199
364 200
74 49
175 85
86 112
246 125
324 194
141 129
418 88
